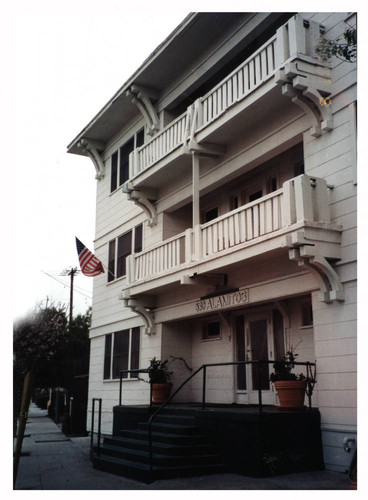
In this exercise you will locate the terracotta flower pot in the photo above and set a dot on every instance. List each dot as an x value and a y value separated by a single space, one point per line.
160 392
291 393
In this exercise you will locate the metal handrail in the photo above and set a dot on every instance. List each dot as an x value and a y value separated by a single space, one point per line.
310 384
99 424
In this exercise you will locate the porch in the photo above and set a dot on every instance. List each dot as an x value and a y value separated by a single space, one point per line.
188 441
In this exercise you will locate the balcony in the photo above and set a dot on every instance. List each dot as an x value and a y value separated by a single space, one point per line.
286 59
295 218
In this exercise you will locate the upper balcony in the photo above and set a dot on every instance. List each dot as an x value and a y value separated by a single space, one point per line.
295 219
247 96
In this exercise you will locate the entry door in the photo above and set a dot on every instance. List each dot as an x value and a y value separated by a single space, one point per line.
254 339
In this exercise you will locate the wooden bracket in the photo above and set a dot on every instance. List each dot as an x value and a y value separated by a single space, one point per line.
136 306
140 198
92 148
141 97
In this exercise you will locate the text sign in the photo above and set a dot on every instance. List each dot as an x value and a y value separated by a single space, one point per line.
222 301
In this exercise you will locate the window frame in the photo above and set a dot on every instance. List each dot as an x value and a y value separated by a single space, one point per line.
120 171
113 251
205 337
111 372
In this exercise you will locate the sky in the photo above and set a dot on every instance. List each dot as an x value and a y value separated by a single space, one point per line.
66 60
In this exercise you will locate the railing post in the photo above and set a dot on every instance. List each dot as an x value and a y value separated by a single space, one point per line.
288 209
188 245
130 269
120 387
204 387
99 426
197 242
259 386
92 424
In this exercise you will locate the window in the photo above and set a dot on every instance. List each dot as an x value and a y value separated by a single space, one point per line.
211 329
306 313
120 160
121 353
120 248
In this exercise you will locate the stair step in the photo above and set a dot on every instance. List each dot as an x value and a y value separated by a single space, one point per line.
171 428
158 447
175 419
160 459
164 437
141 471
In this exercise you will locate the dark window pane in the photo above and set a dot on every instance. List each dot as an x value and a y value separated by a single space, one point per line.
298 168
213 329
134 360
114 171
121 353
124 249
211 214
307 314
124 161
258 339
140 138
138 238
240 352
107 360
255 196
111 273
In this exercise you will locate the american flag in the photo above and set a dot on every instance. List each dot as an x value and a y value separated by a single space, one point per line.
90 265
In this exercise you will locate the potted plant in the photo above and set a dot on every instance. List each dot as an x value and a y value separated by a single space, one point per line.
159 377
290 387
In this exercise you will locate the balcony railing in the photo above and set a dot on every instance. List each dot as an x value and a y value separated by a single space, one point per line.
290 41
301 199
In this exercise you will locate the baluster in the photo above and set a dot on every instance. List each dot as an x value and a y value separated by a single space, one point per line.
257 62
250 224
235 95
262 217
264 64
269 218
226 233
275 213
256 221
215 237
251 74
237 228
243 223
220 235
204 242
231 230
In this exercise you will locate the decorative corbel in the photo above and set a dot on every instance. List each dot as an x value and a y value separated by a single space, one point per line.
310 92
137 307
141 97
328 279
141 200
90 148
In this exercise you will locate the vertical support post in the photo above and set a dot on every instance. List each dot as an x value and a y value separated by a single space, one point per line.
204 387
288 210
150 394
282 46
92 424
297 43
99 425
120 387
259 386
197 242
303 198
195 189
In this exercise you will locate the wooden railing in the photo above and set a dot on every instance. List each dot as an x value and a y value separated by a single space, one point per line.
255 219
302 198
241 82
166 141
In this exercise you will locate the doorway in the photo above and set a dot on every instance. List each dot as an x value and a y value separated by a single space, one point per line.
259 336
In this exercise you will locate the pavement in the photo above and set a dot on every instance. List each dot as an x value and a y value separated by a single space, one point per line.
52 461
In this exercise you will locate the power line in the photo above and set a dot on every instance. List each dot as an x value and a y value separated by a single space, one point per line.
65 284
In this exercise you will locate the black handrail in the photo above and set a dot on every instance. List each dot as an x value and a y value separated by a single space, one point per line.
99 424
310 385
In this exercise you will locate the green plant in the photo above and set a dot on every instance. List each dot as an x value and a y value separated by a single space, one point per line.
283 368
158 371
344 48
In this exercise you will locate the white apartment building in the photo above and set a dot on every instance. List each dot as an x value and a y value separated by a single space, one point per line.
226 215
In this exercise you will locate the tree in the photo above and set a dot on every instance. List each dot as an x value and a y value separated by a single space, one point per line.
345 50
36 340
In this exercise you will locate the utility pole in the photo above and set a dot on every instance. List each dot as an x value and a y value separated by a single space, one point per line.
70 272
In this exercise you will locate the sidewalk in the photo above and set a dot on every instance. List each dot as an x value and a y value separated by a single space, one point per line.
52 461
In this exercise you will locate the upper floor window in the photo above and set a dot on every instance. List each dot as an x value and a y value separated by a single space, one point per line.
120 248
120 160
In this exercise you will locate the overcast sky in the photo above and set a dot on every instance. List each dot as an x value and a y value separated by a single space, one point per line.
66 60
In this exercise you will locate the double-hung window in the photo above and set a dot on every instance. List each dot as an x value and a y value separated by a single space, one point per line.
120 248
121 353
120 160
